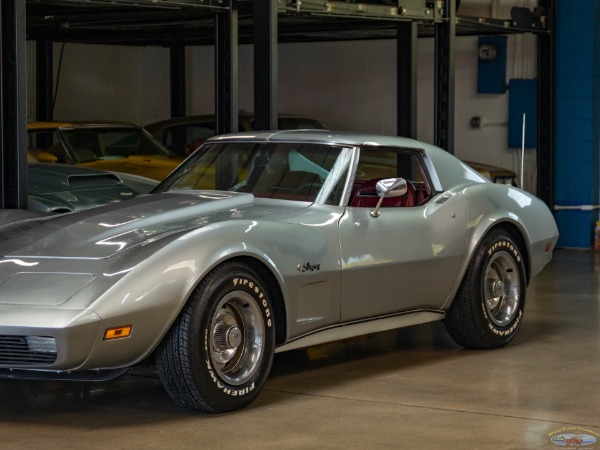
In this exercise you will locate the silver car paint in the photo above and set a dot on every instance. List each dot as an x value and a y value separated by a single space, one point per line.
138 262
120 289
424 243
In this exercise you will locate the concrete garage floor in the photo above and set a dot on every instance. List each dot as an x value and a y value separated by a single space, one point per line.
412 389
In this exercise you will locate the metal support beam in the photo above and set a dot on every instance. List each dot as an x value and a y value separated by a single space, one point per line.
445 37
177 60
265 65
406 60
13 113
545 77
44 86
226 70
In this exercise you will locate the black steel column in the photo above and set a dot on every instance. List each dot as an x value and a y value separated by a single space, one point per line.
265 65
545 77
177 60
226 70
445 37
406 60
13 113
44 86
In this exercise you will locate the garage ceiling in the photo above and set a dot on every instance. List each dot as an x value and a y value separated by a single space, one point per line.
191 22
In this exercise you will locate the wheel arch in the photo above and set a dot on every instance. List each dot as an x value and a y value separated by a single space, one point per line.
218 354
470 319
473 242
276 292
265 271
514 231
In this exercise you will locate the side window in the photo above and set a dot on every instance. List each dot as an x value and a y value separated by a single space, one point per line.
302 172
46 141
377 164
85 145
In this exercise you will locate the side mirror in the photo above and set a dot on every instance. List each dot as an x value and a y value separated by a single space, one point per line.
387 188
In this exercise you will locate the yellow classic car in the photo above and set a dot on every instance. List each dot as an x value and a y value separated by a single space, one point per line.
116 147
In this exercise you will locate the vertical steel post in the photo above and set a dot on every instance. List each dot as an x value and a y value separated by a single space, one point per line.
13 112
44 86
226 70
177 80
406 60
546 126
265 65
445 37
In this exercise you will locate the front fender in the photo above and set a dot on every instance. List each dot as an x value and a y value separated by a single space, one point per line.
155 289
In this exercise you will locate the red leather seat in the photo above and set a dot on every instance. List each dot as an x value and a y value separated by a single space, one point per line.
365 195
420 193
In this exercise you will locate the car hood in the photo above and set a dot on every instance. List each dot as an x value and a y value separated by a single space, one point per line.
60 188
105 231
77 200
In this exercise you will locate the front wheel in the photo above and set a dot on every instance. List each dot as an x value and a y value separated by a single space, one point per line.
488 308
219 352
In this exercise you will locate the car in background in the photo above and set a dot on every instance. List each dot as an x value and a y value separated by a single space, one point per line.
264 242
183 135
61 188
496 174
116 147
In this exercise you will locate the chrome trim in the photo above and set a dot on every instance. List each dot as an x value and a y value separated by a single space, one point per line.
362 327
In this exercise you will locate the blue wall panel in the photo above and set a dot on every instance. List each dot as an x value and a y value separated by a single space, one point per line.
522 100
575 228
491 74
577 119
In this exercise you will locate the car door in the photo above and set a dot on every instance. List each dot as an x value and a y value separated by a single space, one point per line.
409 256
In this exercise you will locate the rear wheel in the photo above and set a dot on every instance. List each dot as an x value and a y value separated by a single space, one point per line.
488 308
219 352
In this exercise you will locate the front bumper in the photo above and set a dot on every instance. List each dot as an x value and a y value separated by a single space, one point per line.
46 339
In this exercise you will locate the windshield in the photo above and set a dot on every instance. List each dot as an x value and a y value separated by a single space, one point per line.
95 143
289 171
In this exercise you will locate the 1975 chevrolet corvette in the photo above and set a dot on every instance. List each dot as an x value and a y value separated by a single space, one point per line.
265 242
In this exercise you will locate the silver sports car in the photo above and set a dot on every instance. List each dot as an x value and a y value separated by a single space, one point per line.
265 242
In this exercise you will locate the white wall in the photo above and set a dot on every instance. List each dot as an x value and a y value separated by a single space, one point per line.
348 85
102 82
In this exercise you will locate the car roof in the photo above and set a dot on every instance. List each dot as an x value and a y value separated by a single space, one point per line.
47 125
243 114
83 124
332 137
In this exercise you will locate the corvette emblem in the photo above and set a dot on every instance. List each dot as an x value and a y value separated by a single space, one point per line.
308 267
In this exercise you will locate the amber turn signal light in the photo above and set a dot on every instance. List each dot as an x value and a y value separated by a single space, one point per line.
118 332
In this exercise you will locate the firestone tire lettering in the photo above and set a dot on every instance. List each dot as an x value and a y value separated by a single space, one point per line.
469 320
226 390
219 352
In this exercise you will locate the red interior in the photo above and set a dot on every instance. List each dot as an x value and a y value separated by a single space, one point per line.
364 194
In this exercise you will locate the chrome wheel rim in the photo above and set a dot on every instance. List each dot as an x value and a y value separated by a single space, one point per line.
237 338
502 288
